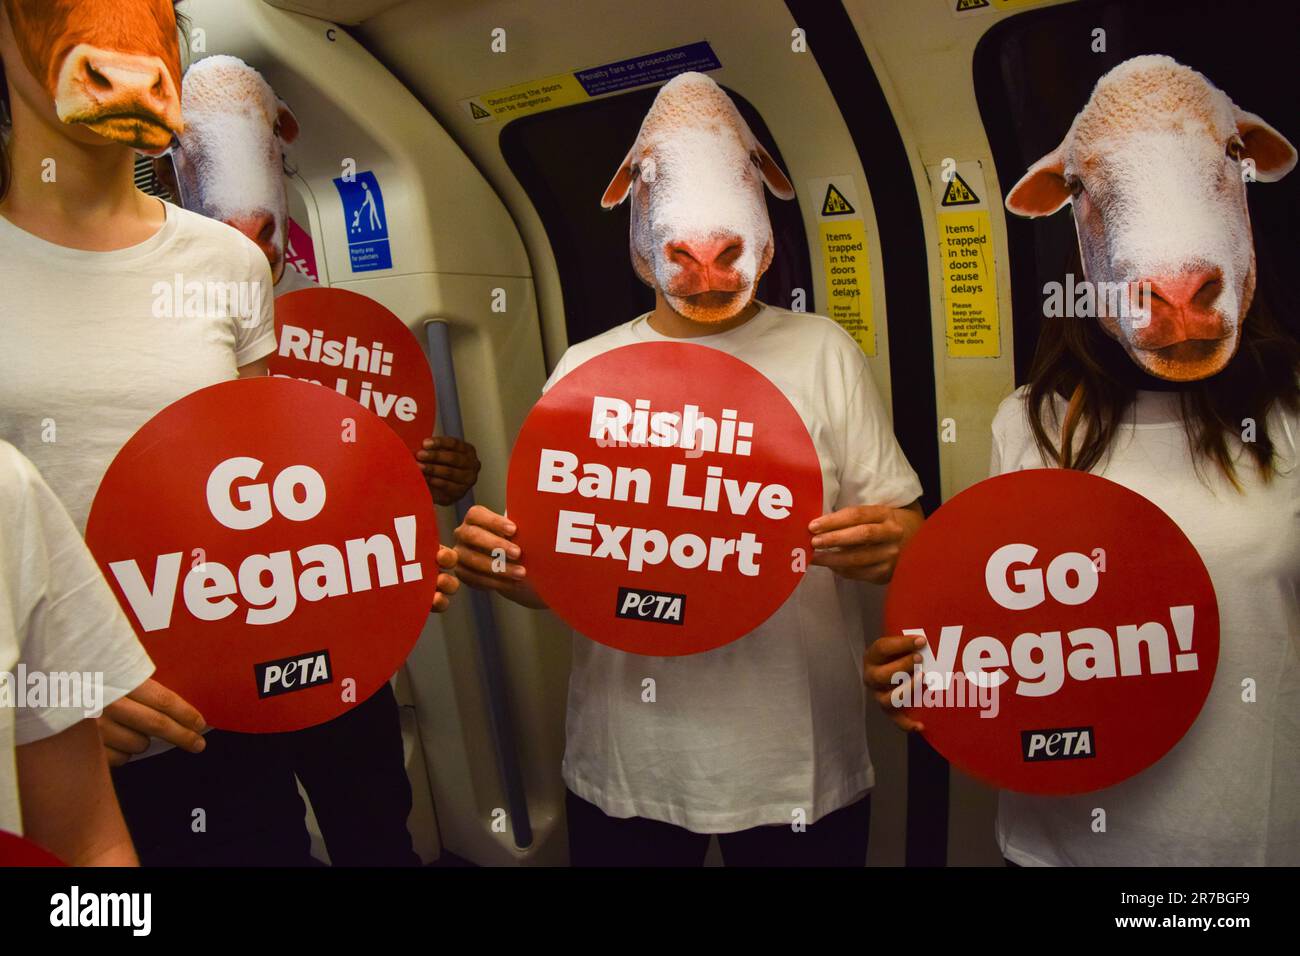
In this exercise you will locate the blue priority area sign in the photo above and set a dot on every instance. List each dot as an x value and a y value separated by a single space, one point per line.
366 222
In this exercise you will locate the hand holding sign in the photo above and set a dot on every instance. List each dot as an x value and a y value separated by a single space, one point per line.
274 548
663 493
1070 632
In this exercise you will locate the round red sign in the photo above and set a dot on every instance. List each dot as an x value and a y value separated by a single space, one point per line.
1072 631
274 547
20 851
663 493
353 345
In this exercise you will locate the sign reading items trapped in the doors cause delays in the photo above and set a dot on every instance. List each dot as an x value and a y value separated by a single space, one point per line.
662 493
365 221
970 291
846 261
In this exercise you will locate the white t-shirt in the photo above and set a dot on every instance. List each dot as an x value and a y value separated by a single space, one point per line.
1228 793
57 617
746 734
94 344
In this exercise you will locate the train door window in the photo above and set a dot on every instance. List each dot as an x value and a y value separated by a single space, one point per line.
1035 71
564 158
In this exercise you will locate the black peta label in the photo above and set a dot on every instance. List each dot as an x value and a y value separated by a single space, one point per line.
1057 743
656 606
308 669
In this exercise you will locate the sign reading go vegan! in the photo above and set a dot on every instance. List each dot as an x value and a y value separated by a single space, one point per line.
1072 632
274 546
662 493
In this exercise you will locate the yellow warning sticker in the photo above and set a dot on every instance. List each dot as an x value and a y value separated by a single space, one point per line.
962 7
958 193
970 298
970 292
846 261
848 280
835 204
523 98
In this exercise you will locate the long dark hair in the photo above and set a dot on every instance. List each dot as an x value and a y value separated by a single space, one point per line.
1077 361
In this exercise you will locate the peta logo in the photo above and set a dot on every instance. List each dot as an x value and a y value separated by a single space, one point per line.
1060 743
293 673
75 908
656 606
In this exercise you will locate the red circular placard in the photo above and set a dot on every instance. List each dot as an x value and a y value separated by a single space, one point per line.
1143 566
154 501
667 608
353 345
20 851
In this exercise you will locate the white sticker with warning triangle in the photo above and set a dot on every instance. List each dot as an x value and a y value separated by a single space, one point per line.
846 263
967 265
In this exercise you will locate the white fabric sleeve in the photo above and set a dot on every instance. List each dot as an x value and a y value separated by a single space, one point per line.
70 622
874 470
255 334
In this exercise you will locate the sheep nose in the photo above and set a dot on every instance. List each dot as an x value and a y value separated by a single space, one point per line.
260 227
713 253
1181 308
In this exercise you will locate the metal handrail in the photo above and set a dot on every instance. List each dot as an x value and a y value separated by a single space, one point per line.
485 622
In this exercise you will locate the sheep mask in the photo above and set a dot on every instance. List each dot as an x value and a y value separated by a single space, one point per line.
699 230
1155 169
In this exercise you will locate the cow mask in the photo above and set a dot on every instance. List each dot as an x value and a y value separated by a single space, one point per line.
699 229
1155 169
110 65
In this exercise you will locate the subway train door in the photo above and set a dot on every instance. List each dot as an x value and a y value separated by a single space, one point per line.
546 100
482 694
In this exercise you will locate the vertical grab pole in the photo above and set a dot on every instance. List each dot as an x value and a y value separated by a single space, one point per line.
485 621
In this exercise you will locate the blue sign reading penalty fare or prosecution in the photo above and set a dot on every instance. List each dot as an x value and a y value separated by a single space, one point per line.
649 68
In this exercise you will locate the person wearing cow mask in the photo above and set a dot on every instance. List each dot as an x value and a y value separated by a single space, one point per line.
229 164
90 357
1184 389
648 785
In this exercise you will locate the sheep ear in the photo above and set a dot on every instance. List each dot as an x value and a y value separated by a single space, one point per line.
620 185
772 175
286 124
1272 152
1042 190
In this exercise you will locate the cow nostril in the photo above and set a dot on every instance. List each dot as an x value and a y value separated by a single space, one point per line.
97 79
267 232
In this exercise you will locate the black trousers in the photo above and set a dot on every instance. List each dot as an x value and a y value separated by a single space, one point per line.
236 803
597 839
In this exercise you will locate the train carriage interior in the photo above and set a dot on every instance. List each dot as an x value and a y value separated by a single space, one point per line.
490 128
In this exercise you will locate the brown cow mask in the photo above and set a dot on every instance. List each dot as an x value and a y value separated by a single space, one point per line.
113 66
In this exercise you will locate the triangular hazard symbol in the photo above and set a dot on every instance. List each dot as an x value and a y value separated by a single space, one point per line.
835 204
971 4
958 192
477 111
